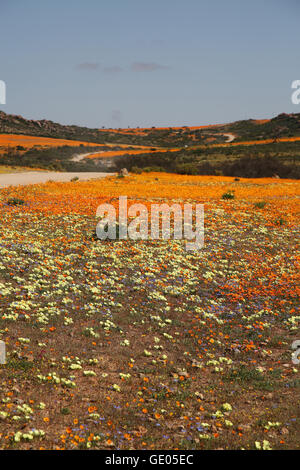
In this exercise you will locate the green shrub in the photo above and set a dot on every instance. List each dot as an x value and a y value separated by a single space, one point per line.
14 201
154 169
280 221
228 195
136 170
260 204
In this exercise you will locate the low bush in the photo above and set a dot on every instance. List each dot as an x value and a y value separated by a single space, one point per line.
228 195
14 201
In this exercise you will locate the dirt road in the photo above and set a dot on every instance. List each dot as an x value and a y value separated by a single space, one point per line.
35 177
230 137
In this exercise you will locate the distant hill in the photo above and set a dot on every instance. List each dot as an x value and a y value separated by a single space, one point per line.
283 125
12 124
249 148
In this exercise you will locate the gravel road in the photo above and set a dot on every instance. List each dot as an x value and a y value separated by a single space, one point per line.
35 177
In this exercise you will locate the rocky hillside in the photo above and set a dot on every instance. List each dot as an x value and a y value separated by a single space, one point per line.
12 124
283 125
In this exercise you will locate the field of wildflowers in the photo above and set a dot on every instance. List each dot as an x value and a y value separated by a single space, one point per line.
142 345
28 142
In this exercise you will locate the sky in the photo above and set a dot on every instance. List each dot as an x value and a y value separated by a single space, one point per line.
121 63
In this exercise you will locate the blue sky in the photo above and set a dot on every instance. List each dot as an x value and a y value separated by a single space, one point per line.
142 63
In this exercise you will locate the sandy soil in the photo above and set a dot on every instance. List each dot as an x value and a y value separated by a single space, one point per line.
34 177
